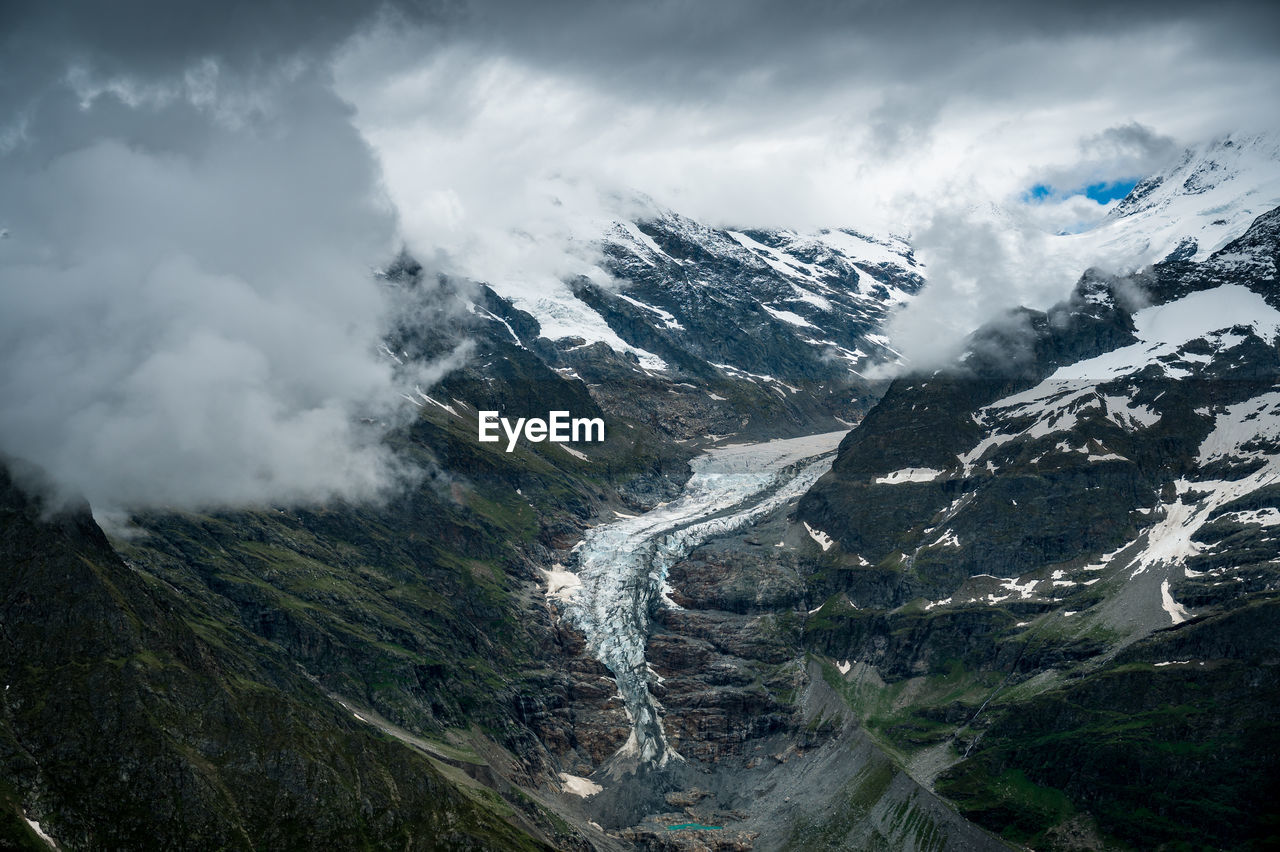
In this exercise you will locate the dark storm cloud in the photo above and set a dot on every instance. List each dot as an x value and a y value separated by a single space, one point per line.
885 72
158 38
672 48
691 48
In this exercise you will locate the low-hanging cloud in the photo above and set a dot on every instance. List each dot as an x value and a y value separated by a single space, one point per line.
188 311
981 263
1128 150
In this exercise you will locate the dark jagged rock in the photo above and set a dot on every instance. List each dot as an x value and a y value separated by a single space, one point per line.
1011 553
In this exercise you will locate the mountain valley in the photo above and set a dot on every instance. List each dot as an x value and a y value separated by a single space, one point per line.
1028 600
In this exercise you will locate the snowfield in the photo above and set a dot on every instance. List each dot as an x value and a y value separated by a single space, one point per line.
1164 329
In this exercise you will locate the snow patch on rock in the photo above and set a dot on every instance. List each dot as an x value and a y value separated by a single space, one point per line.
824 541
909 474
579 786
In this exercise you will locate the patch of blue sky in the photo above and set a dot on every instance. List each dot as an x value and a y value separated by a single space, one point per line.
1106 192
1102 192
1039 192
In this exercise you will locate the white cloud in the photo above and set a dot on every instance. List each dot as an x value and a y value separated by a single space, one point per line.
186 314
488 132
195 325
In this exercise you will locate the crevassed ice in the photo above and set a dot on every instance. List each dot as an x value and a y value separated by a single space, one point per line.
623 565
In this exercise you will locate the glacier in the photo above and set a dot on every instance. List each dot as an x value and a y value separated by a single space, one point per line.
622 566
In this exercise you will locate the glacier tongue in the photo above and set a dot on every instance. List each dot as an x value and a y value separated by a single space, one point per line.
622 566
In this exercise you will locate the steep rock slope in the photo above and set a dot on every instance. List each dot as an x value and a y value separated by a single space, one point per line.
1090 489
131 718
400 640
754 333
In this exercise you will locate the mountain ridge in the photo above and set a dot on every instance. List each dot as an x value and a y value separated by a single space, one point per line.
1058 516
1021 585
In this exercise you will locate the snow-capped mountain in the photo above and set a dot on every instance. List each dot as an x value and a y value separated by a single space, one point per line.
682 300
1085 508
753 333
1160 388
681 288
1189 211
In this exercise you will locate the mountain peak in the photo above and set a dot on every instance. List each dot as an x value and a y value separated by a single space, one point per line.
1189 211
1227 164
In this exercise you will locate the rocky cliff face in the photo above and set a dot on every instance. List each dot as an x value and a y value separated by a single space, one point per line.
1088 490
752 333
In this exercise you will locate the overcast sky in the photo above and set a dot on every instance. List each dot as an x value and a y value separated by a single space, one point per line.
194 194
797 114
